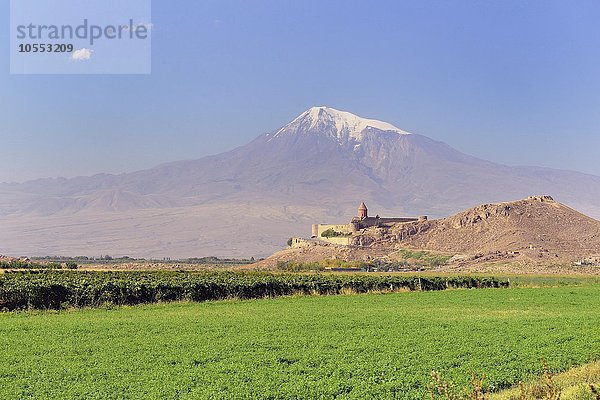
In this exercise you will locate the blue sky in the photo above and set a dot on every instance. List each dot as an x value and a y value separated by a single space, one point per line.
515 82
117 55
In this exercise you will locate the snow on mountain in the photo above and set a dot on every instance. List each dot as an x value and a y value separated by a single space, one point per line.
342 125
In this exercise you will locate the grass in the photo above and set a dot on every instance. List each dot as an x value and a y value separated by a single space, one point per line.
573 384
552 280
528 280
357 346
422 258
580 383
322 265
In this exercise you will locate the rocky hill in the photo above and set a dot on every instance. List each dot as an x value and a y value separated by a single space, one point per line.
537 222
536 229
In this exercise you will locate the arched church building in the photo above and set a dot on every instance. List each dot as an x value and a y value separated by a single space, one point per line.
341 233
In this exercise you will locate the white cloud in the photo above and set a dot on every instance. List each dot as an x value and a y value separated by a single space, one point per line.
82 54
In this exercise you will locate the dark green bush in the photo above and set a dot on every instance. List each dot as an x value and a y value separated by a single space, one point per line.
18 264
54 289
333 233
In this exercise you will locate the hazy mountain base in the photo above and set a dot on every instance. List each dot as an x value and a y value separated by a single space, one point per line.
225 230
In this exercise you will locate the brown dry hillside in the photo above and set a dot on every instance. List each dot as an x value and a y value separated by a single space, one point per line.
537 222
534 229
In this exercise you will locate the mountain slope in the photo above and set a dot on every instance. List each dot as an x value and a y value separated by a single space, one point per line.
313 169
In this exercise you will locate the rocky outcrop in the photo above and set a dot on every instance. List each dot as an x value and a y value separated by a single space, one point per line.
537 225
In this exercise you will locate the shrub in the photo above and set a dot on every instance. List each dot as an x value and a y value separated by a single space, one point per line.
54 289
18 264
333 233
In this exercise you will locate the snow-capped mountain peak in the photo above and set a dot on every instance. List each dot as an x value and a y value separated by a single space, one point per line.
344 126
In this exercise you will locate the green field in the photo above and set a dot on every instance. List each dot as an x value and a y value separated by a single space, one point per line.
353 346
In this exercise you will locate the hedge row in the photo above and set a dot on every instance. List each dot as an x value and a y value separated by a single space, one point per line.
62 289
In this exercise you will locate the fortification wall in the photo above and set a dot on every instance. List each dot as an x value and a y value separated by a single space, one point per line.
356 224
315 230
300 242
320 228
374 221
396 220
342 240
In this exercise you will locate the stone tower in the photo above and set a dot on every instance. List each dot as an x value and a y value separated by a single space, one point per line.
362 211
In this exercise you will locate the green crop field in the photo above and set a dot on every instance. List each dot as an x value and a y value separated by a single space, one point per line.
350 346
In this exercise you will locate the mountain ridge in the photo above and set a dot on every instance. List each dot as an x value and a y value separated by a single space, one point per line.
309 170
